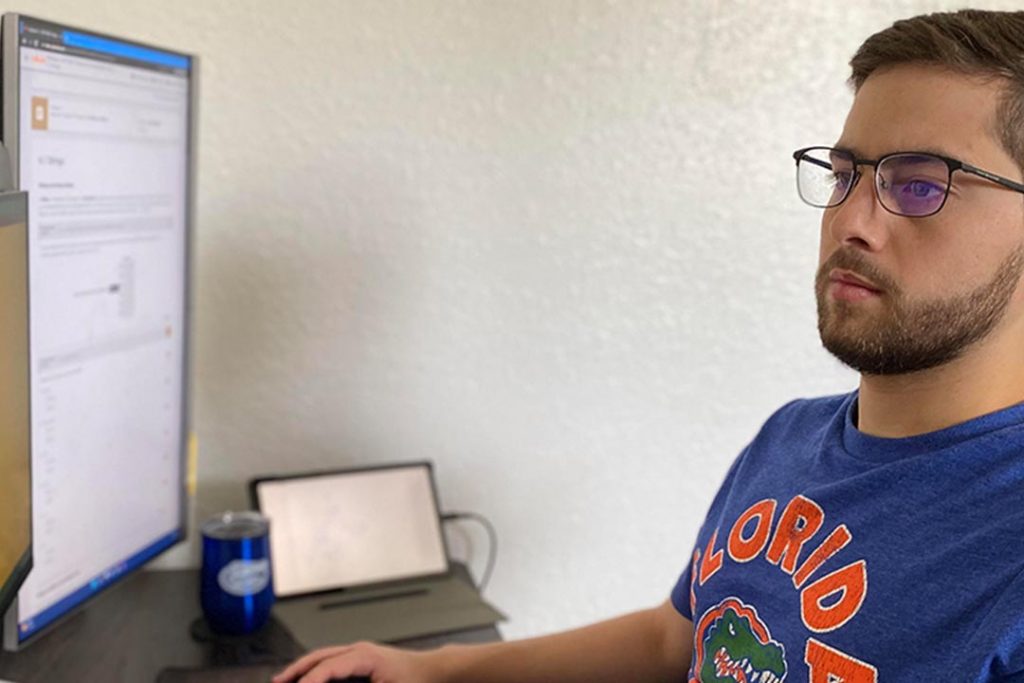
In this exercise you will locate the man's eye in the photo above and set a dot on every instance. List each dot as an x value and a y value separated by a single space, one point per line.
842 179
920 188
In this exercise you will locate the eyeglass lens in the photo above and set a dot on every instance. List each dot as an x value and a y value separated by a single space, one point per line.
906 184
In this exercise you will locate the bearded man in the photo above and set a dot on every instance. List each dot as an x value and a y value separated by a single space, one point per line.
877 535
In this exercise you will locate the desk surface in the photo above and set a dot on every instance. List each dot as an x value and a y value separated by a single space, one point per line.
133 630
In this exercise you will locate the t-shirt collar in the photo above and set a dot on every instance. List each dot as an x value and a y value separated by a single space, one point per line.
882 449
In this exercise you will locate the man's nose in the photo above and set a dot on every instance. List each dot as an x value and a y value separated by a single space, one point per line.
860 221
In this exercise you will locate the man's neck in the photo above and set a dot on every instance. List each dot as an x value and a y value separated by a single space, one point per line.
980 382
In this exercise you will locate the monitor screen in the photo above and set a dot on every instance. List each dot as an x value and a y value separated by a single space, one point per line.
15 493
100 130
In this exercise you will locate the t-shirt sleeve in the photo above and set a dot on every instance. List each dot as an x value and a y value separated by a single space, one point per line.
682 597
681 592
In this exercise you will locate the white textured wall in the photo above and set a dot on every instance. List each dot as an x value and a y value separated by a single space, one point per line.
553 246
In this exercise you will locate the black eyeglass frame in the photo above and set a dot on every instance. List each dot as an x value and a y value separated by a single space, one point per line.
952 164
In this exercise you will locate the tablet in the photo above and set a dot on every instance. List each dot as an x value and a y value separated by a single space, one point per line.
355 527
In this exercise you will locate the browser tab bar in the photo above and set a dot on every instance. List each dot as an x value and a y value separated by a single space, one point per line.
41 35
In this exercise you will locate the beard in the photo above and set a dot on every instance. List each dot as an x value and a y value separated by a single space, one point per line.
909 335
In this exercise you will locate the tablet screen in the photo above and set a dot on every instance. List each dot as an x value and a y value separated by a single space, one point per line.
344 529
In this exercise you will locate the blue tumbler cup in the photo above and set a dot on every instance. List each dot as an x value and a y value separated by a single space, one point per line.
236 590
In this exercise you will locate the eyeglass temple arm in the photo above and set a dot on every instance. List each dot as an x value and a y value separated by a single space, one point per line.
998 179
817 162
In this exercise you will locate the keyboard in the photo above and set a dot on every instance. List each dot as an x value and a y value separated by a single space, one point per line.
251 673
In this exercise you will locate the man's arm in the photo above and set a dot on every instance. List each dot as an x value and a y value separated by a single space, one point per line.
652 645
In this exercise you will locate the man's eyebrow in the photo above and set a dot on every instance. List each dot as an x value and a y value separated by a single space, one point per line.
923 149
847 148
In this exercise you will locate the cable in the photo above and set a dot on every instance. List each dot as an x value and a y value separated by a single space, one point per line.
492 535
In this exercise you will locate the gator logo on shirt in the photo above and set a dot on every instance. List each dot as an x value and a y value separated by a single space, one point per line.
735 646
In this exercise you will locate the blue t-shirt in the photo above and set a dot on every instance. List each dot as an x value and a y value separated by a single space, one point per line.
831 555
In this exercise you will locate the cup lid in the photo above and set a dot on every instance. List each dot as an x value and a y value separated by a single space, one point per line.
229 526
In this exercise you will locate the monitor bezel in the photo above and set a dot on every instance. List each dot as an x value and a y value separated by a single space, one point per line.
9 588
10 132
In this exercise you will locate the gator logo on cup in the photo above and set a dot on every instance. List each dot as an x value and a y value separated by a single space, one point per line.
734 646
244 577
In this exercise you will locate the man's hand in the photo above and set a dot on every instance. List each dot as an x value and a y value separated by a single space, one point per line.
379 663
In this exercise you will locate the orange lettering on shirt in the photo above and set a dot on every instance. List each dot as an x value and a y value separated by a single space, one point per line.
835 542
850 583
799 522
827 666
712 560
745 549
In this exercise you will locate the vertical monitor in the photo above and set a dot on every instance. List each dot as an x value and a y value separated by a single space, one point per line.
15 491
100 129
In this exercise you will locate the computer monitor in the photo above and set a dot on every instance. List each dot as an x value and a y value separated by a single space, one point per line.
100 133
15 482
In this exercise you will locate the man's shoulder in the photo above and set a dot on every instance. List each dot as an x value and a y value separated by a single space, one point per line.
801 423
812 410
805 418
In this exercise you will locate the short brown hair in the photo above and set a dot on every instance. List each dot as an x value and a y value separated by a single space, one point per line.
972 42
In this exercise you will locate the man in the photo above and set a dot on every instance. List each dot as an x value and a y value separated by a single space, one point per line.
879 535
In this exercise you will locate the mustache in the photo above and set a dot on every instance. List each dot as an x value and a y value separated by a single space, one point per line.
854 261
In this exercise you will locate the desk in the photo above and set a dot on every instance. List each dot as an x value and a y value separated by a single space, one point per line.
130 632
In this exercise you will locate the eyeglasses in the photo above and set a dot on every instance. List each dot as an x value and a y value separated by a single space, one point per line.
914 184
